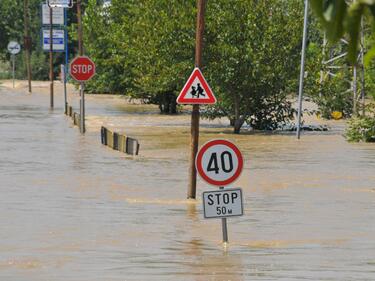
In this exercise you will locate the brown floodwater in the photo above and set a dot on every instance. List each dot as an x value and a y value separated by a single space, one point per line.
72 209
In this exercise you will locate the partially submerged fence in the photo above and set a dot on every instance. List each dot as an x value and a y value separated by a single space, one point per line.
114 140
76 117
119 142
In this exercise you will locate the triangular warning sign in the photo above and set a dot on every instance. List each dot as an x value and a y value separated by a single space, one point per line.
196 90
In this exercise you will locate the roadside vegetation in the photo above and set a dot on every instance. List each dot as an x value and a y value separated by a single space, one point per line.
145 50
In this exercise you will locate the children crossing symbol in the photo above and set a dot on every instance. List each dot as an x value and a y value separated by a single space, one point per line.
196 90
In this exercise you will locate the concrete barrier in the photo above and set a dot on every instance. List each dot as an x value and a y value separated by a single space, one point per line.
119 142
74 115
115 141
132 146
109 138
76 119
122 143
70 111
103 134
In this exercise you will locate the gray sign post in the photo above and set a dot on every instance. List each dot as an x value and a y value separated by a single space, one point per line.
13 48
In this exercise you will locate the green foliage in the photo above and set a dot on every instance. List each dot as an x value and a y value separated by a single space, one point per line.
330 93
370 69
334 96
5 70
339 18
334 93
104 50
144 49
361 129
39 66
252 53
12 23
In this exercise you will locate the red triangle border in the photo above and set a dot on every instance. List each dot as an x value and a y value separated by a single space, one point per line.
181 97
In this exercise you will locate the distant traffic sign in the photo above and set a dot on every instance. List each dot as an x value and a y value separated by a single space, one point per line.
196 90
219 162
223 203
13 47
58 41
58 17
60 3
82 68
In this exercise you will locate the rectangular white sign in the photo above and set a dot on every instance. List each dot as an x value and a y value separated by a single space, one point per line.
223 203
57 15
60 3
58 43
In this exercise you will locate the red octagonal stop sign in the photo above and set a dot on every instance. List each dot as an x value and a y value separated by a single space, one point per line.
82 68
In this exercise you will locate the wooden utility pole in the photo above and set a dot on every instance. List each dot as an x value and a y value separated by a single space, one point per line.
80 33
194 142
80 51
51 54
27 40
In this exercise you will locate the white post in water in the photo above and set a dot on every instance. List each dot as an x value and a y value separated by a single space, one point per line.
302 71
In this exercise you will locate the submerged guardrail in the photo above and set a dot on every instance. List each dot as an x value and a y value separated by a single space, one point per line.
119 142
114 140
74 115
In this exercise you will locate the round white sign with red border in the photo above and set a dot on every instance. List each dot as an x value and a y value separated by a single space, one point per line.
219 162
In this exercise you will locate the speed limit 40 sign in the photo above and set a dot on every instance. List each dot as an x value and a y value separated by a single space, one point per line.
219 162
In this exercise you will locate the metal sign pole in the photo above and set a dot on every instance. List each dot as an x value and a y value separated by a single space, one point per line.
80 50
63 78
82 108
65 92
302 72
66 62
51 55
224 226
14 66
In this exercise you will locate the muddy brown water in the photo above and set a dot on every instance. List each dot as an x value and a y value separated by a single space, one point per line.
71 209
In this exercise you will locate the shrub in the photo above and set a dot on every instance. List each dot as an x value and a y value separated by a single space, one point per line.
5 70
361 129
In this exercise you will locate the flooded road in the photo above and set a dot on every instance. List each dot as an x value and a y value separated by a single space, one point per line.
72 209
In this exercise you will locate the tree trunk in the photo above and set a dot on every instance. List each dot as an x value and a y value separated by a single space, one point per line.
167 103
238 120
173 104
238 124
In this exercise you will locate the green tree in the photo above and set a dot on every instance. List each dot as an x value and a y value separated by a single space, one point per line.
252 54
162 49
102 44
144 49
